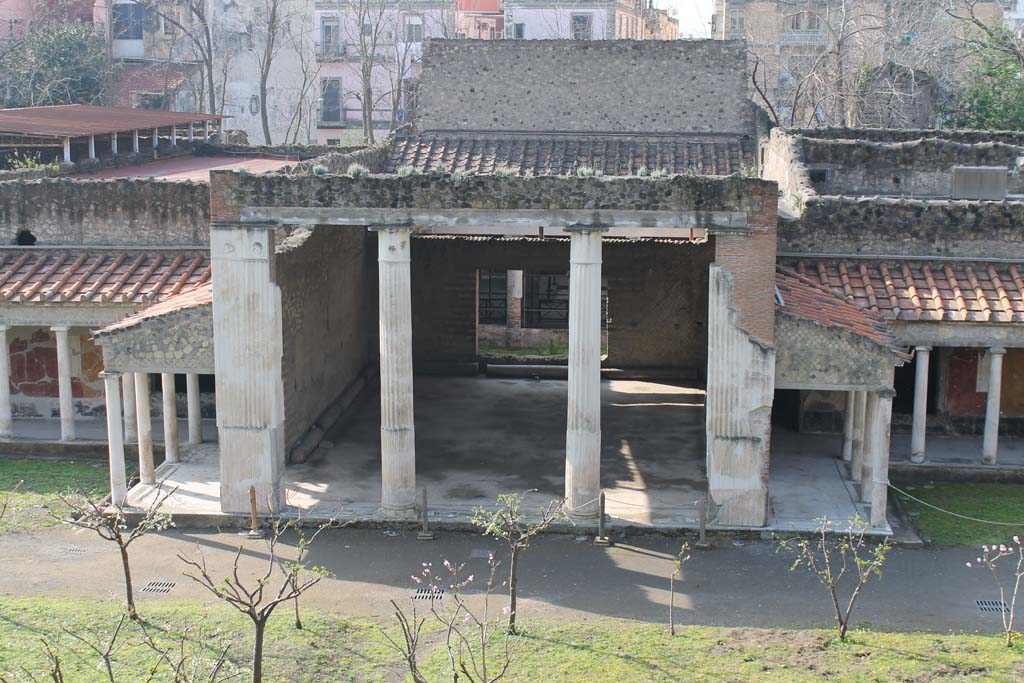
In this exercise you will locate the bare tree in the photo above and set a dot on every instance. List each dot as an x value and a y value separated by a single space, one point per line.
986 33
254 596
111 524
196 26
681 559
509 524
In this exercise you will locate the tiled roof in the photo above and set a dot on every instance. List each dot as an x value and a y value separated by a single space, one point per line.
804 298
91 275
922 289
563 154
198 295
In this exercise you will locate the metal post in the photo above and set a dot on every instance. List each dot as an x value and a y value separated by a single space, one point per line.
602 537
254 524
425 533
702 539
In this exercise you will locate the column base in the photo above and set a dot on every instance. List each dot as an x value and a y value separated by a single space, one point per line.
988 460
398 514
583 517
917 458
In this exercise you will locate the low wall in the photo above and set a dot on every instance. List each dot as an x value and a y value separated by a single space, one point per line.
123 212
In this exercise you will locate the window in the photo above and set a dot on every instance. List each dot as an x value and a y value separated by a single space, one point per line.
254 105
805 21
127 21
367 28
519 31
493 298
329 33
737 22
334 142
413 30
546 300
170 23
330 100
582 27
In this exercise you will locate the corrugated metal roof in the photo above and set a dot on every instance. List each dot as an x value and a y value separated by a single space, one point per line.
76 120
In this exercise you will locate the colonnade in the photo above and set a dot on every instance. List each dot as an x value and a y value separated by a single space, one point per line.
188 130
866 447
583 430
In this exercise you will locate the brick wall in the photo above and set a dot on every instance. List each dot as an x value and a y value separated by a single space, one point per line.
328 327
565 85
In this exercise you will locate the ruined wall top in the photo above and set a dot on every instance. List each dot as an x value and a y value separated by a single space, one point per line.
679 86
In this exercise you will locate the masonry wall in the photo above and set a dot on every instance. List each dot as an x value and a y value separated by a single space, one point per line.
106 212
178 341
33 380
585 86
323 274
811 355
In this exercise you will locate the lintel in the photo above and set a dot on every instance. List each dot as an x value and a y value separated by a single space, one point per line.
527 222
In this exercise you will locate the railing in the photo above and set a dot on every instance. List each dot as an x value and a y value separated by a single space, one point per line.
329 52
805 38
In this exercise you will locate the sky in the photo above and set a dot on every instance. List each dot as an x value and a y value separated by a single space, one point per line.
694 16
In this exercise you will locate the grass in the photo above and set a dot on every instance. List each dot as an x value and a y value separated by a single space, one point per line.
335 650
988 501
41 484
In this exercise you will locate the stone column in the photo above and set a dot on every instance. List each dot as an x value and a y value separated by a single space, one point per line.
170 414
92 146
875 485
67 149
67 401
206 131
920 404
113 144
131 424
869 443
990 442
6 421
156 139
583 428
397 428
135 142
174 135
514 307
851 398
147 472
195 417
115 444
857 445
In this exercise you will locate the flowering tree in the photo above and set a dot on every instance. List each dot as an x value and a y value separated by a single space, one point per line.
992 556
510 524
837 558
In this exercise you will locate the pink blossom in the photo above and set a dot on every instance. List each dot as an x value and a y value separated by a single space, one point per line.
968 564
985 548
1016 539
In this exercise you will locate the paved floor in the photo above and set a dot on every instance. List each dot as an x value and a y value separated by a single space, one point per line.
562 577
195 168
478 437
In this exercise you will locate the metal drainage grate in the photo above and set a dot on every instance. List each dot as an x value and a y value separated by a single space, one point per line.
996 606
73 550
158 587
428 594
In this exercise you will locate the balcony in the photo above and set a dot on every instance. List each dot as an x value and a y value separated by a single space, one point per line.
333 52
812 38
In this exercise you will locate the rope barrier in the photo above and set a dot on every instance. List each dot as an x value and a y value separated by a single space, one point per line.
954 514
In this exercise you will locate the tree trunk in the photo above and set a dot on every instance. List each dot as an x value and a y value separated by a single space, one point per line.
513 584
672 604
263 107
257 651
129 593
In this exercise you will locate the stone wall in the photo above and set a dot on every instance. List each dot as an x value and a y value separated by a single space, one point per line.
810 356
179 341
914 168
908 134
329 325
911 227
106 212
697 86
338 161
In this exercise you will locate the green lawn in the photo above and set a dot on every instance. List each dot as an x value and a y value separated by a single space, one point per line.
42 481
988 501
335 650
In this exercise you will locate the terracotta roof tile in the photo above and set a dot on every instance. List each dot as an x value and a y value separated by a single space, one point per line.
801 296
194 296
550 154
90 275
922 289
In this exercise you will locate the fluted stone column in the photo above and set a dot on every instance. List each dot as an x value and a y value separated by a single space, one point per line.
115 442
920 404
195 416
583 428
875 484
6 421
147 472
170 414
848 425
397 430
990 442
857 446
131 423
67 401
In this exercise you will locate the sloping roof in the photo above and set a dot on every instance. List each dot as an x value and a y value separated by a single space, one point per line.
920 288
74 120
91 275
193 297
801 297
150 78
551 154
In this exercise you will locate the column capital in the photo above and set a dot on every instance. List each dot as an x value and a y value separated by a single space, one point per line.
4 327
110 374
998 350
887 392
923 348
60 328
586 228
390 228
